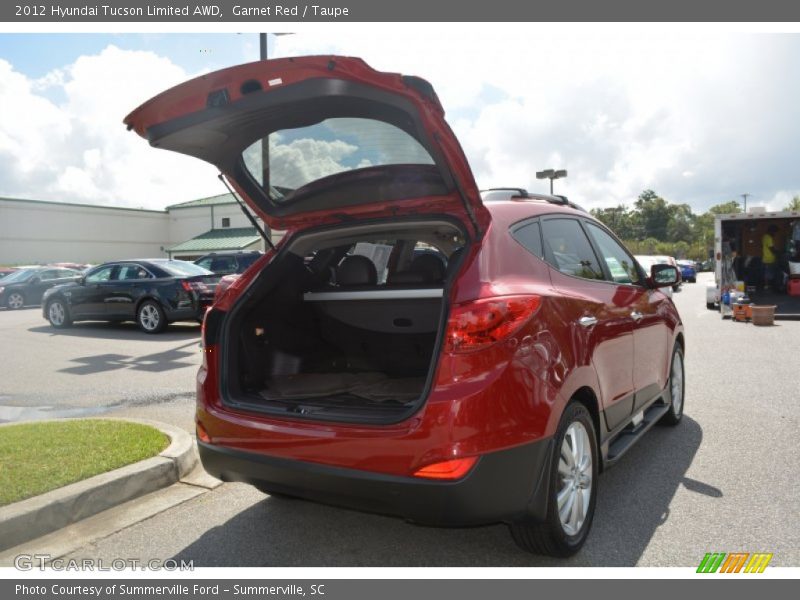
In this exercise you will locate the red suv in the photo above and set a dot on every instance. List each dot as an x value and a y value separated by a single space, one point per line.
413 347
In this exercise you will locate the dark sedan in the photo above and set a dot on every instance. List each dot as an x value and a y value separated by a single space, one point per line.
25 287
152 292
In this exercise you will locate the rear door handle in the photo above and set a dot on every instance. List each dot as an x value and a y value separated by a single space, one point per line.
587 321
637 316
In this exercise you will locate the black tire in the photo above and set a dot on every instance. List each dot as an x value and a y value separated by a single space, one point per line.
15 300
693 280
58 314
150 317
711 306
676 389
550 537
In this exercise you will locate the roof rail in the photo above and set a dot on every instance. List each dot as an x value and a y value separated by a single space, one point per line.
523 193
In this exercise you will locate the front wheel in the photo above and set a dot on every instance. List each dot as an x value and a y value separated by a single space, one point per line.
151 317
676 389
15 301
572 489
57 314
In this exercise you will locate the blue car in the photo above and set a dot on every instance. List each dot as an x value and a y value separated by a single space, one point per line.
688 271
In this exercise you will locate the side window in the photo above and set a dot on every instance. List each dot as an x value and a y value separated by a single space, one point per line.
63 273
567 248
621 264
205 263
48 275
224 265
129 272
100 275
529 235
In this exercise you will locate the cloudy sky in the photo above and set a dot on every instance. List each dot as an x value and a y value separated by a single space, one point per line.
699 117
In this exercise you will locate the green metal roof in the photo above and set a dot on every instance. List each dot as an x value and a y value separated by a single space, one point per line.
210 201
215 240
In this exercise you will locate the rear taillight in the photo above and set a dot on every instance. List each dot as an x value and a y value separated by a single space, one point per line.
193 286
449 469
479 324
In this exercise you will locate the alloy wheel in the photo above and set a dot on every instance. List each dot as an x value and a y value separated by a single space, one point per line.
56 313
575 476
676 383
149 317
15 301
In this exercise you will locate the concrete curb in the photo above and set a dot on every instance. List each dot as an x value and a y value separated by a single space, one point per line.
37 516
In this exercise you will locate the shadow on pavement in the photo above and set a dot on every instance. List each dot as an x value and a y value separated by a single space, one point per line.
174 358
122 331
634 499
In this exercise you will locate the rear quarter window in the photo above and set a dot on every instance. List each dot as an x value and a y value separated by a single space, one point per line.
530 236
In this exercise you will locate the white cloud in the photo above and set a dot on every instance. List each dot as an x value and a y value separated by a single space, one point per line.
622 112
77 149
700 118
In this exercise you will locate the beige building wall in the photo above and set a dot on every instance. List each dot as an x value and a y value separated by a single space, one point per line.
189 222
42 232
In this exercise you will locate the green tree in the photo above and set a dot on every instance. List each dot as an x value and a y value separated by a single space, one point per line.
654 215
726 208
794 204
680 227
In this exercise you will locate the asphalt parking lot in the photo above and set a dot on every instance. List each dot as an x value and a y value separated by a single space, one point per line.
724 480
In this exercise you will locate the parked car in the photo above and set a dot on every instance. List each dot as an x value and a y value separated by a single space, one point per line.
25 287
688 270
226 263
152 292
648 261
492 386
74 266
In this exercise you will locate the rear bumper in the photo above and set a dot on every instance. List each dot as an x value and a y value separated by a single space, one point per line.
502 486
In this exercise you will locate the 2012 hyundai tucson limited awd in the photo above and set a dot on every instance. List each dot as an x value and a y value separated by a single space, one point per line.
412 347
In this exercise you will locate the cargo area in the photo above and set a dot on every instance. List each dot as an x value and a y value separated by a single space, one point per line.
765 269
344 323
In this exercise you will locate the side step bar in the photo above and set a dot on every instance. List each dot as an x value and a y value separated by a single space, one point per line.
618 445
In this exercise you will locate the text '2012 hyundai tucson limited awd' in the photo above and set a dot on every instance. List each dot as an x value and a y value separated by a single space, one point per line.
412 347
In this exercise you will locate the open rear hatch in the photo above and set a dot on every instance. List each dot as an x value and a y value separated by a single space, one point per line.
363 169
314 140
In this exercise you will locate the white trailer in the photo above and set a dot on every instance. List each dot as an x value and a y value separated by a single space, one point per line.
744 232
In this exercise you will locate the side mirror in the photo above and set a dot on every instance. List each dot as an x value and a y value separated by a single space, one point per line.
81 280
36 280
664 276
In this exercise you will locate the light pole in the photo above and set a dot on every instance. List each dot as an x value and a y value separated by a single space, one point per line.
745 201
551 174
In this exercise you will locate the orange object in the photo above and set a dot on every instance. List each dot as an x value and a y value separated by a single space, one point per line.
742 312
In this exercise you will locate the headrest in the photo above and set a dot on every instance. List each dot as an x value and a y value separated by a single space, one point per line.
430 265
356 270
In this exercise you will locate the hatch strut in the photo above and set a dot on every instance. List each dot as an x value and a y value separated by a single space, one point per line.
246 212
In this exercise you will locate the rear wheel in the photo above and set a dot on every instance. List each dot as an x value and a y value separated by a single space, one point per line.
572 489
711 306
57 314
151 317
677 389
15 301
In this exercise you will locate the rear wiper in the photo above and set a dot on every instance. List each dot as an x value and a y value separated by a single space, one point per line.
246 212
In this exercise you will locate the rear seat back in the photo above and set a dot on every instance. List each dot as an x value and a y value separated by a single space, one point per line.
356 270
